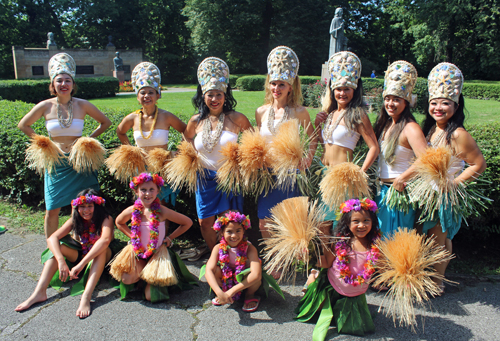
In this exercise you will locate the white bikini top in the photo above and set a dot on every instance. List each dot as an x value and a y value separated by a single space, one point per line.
212 160
342 137
264 130
402 161
159 137
55 129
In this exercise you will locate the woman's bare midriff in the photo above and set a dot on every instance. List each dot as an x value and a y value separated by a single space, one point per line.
65 142
335 155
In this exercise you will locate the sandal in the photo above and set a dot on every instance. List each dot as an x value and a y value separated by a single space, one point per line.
251 300
215 302
2 229
200 251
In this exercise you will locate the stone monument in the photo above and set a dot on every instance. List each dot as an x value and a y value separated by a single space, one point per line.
118 70
338 41
50 40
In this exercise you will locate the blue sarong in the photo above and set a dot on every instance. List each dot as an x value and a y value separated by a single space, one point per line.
65 183
273 198
210 201
449 222
167 194
390 220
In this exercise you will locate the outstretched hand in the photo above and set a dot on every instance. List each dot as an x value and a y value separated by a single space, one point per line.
75 271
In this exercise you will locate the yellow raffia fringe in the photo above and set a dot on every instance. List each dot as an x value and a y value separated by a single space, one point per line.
342 182
43 154
183 169
254 160
287 151
157 159
126 161
160 271
124 262
87 155
228 175
405 267
293 226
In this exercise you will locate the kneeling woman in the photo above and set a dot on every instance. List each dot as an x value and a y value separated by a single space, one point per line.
215 125
93 226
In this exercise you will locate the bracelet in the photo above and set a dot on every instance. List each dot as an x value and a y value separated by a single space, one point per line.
169 240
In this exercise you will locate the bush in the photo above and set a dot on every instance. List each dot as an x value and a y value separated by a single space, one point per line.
34 91
307 80
251 83
481 91
232 80
312 93
126 87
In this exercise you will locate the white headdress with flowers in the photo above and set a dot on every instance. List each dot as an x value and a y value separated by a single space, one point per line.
345 70
445 81
213 74
146 74
282 65
62 63
400 79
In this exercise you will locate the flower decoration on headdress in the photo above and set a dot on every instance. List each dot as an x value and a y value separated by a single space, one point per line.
237 217
356 205
62 63
400 79
282 64
345 70
213 74
86 199
146 177
445 81
146 74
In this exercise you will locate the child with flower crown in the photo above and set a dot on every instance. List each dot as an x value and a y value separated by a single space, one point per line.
339 291
147 255
93 227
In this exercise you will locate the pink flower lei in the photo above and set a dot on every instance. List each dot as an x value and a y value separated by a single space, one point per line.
146 177
356 205
86 199
89 237
228 275
154 224
237 217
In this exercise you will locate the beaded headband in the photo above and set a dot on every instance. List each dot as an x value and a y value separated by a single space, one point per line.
345 70
146 74
445 81
86 199
146 177
62 63
282 65
237 217
213 74
356 205
400 79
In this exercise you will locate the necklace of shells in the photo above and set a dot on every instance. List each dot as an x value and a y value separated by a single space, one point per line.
65 122
435 142
270 119
210 140
152 126
329 127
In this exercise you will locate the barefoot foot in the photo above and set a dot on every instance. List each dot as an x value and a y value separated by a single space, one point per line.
32 300
84 308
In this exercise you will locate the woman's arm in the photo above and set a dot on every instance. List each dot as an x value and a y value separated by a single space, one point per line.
222 296
125 125
320 119
190 131
366 130
468 151
55 247
122 219
99 247
241 121
183 221
176 123
305 122
97 115
34 115
254 275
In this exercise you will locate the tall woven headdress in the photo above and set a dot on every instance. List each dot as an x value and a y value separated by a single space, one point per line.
213 74
282 65
445 81
146 74
400 79
62 63
345 70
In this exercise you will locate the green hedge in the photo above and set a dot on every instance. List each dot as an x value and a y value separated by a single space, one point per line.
251 83
34 91
481 91
306 80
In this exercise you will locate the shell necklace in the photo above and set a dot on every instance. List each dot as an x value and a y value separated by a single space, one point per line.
210 140
329 127
152 126
65 122
435 142
270 119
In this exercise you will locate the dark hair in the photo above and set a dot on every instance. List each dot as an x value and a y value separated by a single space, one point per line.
354 111
344 224
202 109
456 121
53 92
100 213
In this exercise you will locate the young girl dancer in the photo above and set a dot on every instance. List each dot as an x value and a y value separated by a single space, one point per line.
93 226
147 231
229 258
339 290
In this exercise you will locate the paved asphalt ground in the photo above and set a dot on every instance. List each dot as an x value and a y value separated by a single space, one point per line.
469 311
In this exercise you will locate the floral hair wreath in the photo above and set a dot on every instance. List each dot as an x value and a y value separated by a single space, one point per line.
146 177
86 199
356 205
237 217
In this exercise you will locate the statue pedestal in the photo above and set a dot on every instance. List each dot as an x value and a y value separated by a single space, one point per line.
325 76
120 75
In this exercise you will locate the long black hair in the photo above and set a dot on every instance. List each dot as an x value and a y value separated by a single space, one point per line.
456 121
202 109
100 213
343 227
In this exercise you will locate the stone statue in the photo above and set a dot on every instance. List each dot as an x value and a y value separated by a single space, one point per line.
118 62
50 39
338 41
110 41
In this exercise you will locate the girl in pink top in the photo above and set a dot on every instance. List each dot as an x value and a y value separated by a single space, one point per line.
339 290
